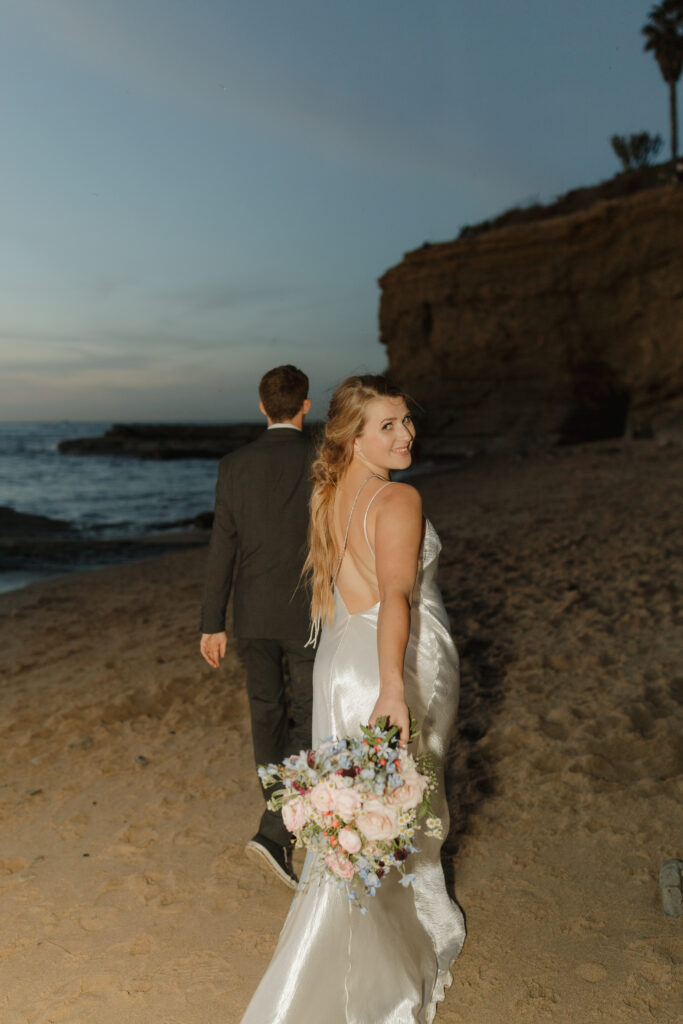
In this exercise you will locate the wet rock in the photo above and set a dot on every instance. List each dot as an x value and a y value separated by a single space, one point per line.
165 441
16 525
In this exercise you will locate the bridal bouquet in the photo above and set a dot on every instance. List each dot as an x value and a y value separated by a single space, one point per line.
358 802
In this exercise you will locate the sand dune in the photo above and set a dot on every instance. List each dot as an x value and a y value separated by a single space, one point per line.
127 790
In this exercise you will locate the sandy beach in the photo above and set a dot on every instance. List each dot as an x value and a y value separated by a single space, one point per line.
127 789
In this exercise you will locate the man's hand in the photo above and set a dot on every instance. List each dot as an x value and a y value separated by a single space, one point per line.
213 647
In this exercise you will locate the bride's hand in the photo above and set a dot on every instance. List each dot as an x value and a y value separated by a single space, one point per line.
394 708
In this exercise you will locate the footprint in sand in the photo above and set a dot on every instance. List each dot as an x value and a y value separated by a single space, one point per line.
99 919
141 945
142 985
541 995
192 836
73 827
12 866
591 972
100 984
231 864
138 836
583 926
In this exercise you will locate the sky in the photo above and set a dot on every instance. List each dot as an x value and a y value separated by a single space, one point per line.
194 191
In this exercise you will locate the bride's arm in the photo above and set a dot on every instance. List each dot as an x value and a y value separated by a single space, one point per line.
398 534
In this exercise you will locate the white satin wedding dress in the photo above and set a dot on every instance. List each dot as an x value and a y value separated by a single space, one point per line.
334 965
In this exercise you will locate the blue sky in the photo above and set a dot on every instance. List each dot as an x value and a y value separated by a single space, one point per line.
197 190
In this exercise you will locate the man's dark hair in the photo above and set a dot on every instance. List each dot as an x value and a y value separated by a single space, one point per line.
283 391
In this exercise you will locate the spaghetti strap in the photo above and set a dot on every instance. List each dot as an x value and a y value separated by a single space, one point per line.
365 517
348 522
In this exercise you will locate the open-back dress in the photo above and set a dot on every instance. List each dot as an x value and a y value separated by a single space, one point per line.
391 965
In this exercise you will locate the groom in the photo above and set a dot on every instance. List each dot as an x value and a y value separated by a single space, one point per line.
259 538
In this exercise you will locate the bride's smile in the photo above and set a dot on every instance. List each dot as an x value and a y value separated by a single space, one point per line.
388 435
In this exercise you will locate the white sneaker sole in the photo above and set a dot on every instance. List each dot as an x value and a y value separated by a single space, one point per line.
259 855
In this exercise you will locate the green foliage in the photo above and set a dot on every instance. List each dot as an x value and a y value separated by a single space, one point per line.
636 150
391 733
663 32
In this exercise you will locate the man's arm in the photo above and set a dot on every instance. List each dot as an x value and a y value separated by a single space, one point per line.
219 571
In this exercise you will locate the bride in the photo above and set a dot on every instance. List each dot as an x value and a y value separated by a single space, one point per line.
384 647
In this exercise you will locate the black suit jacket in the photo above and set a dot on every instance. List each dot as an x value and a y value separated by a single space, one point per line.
259 538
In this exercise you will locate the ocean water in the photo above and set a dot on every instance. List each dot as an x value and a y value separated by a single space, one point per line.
100 496
107 496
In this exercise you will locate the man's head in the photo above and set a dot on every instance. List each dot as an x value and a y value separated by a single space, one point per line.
284 394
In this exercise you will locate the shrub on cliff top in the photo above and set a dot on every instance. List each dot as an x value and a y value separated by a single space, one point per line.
636 150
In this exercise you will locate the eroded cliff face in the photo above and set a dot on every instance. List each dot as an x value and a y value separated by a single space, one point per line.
556 331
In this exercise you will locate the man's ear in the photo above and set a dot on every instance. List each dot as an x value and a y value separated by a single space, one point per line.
306 407
262 409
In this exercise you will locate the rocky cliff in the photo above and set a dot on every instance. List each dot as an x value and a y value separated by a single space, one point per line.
561 330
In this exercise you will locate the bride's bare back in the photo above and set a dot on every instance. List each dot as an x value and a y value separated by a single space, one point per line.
356 579
378 528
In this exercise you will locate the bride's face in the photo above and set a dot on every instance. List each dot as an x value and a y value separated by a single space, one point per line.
387 436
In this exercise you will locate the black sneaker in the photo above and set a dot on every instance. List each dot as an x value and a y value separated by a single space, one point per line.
267 853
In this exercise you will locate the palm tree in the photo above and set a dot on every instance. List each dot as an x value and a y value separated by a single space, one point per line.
664 34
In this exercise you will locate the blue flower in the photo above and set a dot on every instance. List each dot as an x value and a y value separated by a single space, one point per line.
407 880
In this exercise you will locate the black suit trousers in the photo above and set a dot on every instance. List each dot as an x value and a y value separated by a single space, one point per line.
280 715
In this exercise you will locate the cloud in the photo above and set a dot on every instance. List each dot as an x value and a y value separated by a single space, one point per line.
233 81
155 353
221 297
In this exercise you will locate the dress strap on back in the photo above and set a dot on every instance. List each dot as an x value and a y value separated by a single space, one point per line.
365 517
348 521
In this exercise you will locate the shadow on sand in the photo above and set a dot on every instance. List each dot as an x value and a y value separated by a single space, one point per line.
470 772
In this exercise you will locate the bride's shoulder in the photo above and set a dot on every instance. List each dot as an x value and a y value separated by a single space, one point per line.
400 498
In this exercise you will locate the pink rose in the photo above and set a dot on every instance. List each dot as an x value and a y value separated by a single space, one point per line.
346 803
349 840
341 866
378 820
294 814
410 794
321 796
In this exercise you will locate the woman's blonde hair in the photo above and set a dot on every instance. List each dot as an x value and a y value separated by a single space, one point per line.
346 419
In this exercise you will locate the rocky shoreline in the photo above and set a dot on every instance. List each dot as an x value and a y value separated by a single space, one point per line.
39 543
165 440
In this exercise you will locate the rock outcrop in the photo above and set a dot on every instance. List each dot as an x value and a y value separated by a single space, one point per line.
34 542
562 330
165 440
